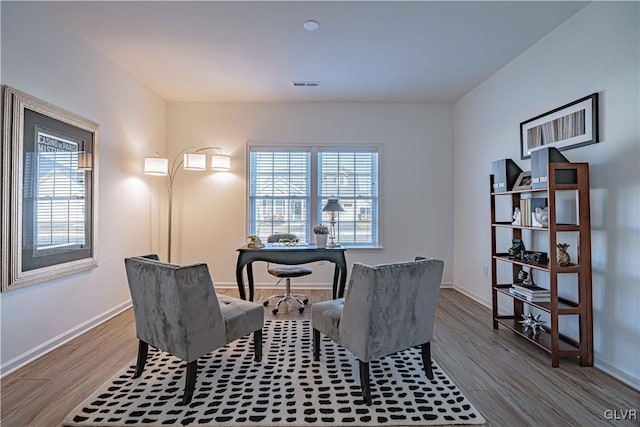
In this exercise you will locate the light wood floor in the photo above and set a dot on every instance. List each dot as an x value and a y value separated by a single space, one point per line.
508 380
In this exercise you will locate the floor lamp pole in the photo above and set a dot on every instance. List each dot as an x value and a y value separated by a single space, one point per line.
169 215
160 166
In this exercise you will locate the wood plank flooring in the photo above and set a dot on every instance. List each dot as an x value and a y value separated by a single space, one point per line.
508 380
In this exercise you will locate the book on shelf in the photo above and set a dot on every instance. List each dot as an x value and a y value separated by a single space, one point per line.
531 289
528 207
529 297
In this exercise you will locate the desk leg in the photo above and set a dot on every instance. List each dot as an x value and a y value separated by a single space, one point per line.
240 282
336 275
250 280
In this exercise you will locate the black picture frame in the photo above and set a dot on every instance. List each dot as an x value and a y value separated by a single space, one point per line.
570 126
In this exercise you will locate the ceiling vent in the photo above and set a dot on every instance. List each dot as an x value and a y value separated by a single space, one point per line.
301 83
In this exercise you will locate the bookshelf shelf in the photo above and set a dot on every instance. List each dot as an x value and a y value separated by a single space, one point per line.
551 340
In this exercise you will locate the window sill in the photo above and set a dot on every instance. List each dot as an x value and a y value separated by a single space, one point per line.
363 247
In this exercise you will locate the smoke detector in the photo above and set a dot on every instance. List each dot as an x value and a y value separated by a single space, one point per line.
311 25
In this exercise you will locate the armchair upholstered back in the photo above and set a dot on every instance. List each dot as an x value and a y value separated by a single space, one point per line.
175 307
390 307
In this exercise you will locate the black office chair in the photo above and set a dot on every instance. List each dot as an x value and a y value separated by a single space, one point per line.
286 272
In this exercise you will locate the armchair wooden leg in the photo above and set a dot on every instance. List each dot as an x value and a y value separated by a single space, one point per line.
364 382
143 349
316 344
190 381
426 359
257 345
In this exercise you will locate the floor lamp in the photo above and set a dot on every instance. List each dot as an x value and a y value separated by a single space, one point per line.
332 206
190 158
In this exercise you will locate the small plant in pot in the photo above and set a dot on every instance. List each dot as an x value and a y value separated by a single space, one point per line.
322 232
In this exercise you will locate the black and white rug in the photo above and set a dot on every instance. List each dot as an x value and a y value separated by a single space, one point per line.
286 389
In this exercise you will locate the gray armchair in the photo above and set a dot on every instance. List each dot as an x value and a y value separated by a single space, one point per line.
388 308
177 311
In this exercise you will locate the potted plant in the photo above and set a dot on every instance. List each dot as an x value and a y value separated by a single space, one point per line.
322 232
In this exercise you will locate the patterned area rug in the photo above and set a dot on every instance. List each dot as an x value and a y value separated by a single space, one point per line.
286 389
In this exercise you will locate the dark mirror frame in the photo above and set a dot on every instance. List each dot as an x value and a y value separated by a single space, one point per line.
49 191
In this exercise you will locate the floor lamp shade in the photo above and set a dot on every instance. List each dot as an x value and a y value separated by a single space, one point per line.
220 162
156 166
195 161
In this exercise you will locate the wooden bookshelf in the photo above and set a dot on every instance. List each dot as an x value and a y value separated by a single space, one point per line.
550 339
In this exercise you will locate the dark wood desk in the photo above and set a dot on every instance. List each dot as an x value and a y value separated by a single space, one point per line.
291 255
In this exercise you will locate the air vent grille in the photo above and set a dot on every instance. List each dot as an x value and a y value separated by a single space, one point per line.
301 83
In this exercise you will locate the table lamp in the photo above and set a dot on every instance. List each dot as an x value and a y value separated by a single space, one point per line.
332 206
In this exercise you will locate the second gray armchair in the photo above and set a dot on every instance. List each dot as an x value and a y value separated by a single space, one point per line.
388 308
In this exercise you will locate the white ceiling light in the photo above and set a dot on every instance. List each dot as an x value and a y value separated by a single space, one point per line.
311 25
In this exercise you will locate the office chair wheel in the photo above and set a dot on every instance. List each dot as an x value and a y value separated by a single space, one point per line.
301 309
266 303
275 311
305 301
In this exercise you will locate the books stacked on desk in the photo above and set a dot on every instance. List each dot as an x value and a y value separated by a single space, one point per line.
531 293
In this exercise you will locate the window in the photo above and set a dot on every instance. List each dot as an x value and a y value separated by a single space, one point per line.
289 186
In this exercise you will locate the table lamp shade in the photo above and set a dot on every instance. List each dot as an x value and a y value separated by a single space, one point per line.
332 206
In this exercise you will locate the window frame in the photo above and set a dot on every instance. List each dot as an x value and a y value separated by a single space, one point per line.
315 209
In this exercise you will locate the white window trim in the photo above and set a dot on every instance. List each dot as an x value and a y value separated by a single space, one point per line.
314 148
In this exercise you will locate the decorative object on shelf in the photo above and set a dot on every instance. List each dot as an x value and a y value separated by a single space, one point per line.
332 206
516 216
540 218
526 278
532 322
523 182
505 173
49 191
563 256
254 242
322 233
540 160
573 125
535 256
517 249
191 158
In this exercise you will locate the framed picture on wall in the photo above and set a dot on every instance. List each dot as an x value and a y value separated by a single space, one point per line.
570 126
49 191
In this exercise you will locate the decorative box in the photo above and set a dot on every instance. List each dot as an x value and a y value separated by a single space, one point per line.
505 174
540 160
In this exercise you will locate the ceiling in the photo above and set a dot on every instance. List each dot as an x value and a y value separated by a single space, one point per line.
363 51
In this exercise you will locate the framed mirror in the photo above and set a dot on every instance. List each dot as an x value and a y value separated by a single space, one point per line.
49 191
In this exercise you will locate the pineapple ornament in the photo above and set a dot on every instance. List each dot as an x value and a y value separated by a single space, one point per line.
563 256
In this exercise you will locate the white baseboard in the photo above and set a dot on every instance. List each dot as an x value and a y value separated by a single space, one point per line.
471 295
625 377
55 342
233 285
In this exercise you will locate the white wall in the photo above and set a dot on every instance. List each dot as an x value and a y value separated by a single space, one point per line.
597 50
41 59
415 169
